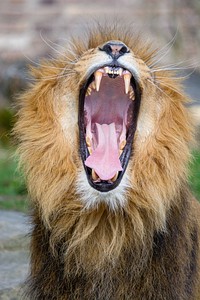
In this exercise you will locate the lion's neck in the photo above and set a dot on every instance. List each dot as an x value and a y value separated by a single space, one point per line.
98 237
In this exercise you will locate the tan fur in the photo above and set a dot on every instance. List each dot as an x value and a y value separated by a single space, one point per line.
96 239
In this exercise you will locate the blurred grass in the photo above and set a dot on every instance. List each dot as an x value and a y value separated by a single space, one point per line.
11 182
6 122
13 193
14 203
194 176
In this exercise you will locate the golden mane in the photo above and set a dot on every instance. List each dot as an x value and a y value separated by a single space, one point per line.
47 130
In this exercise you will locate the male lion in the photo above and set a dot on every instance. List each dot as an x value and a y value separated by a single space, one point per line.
104 136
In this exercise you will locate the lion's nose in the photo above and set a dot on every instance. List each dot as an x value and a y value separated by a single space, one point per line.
115 49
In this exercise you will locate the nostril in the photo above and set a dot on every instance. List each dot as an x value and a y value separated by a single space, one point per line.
123 50
115 49
107 48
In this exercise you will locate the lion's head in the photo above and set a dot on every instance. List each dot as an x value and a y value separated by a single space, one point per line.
104 128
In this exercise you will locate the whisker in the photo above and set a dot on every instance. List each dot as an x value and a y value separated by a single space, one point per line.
54 59
155 85
179 77
47 78
173 65
41 65
56 44
169 45
173 69
74 46
68 50
70 42
175 77
169 86
41 36
54 49
75 57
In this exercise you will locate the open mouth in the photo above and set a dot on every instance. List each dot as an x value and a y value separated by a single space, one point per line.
108 110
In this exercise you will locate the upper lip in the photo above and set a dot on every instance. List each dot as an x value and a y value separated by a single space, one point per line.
104 186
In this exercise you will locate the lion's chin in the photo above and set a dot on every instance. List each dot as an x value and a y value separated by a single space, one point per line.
91 198
108 110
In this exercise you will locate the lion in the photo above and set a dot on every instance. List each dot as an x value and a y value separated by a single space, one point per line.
104 139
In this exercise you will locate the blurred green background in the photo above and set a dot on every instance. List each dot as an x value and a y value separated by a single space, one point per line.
25 24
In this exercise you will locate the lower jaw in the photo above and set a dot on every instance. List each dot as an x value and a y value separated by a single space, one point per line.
91 198
106 186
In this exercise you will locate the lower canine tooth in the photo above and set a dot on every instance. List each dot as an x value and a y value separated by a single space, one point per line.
98 76
127 79
122 145
115 177
88 141
94 175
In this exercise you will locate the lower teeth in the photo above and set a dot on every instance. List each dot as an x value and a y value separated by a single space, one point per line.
114 178
95 177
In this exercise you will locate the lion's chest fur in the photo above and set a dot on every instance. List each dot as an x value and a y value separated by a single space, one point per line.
164 266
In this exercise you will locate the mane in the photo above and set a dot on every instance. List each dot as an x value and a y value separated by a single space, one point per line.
158 169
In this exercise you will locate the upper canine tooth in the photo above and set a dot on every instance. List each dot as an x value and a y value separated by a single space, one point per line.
120 71
127 79
106 69
98 76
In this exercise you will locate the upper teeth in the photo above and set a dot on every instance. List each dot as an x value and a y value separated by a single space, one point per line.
127 79
98 75
109 70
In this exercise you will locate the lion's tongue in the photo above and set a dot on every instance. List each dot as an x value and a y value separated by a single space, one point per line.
105 158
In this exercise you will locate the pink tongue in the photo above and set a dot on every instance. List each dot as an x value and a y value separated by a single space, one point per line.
105 158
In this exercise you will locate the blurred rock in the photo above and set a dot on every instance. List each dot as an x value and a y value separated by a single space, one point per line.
14 229
11 294
13 79
14 255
